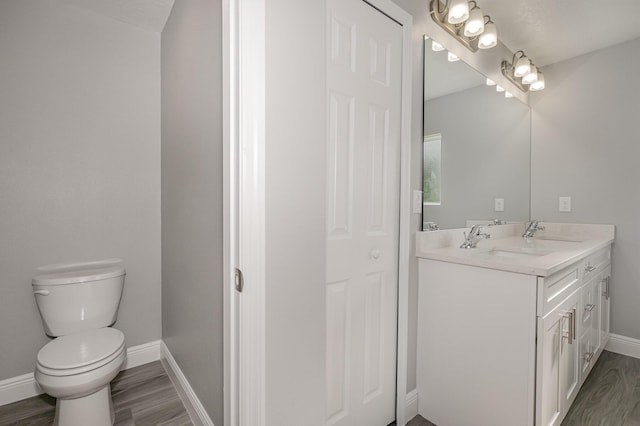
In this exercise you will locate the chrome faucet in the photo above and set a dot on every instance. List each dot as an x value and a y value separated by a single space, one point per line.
474 236
431 226
533 226
495 222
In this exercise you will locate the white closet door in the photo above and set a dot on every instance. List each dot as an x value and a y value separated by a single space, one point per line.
364 49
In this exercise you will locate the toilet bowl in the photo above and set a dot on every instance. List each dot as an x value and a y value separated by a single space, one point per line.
77 367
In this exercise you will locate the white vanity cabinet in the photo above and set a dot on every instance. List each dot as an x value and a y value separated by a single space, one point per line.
498 347
557 349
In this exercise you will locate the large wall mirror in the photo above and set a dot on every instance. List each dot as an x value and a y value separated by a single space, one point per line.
476 148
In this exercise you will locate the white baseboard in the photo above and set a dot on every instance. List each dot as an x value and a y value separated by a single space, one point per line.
411 404
21 387
624 345
191 402
18 388
142 354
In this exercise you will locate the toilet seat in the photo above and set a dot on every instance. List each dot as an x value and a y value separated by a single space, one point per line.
80 352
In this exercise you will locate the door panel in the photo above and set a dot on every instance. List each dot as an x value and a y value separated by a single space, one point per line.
364 53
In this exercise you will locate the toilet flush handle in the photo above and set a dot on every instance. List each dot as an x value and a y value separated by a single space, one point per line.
42 292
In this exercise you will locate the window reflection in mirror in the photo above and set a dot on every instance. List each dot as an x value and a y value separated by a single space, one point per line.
482 151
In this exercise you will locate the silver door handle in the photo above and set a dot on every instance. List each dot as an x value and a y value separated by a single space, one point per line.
42 292
571 333
590 268
589 307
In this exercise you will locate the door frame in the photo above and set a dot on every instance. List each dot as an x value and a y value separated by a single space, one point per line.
244 208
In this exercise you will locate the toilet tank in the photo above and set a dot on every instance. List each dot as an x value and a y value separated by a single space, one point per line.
78 300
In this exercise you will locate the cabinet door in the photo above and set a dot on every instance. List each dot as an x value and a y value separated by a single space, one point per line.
605 307
569 354
558 369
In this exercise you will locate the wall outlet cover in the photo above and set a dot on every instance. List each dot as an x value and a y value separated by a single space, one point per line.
499 204
564 204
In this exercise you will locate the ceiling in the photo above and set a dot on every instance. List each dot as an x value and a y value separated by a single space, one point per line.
550 31
149 15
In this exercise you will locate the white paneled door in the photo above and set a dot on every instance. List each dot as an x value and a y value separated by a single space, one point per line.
364 61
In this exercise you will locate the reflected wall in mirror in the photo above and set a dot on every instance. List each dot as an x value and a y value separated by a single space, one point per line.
476 148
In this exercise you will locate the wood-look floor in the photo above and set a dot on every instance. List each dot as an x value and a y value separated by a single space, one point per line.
142 396
145 396
609 397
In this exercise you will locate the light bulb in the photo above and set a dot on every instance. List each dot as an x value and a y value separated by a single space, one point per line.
458 11
452 57
436 47
499 88
489 37
490 82
508 94
538 84
532 77
523 67
475 24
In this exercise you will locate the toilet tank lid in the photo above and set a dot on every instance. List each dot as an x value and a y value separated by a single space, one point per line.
81 276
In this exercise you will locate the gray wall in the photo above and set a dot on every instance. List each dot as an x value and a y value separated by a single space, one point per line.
79 163
295 212
586 144
192 196
485 155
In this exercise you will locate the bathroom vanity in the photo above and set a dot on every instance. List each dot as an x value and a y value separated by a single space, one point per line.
508 331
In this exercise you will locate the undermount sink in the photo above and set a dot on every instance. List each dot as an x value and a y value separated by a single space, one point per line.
513 253
555 238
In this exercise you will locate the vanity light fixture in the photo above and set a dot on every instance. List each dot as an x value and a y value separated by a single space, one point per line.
522 73
530 77
458 11
538 84
508 94
475 24
465 21
490 82
523 65
489 37
452 57
499 88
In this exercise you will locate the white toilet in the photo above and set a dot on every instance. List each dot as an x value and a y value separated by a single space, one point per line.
77 307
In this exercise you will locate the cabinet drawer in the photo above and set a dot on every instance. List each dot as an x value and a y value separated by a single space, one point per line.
595 263
555 288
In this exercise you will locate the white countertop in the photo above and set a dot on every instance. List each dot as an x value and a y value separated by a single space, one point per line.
551 250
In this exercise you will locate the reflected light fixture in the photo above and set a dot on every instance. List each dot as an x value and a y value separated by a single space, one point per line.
436 47
452 57
508 94
499 88
490 82
465 21
522 73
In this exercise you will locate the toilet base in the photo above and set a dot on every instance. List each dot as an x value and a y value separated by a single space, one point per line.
95 409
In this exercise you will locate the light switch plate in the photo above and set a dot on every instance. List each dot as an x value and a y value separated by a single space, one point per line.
564 204
499 204
417 201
